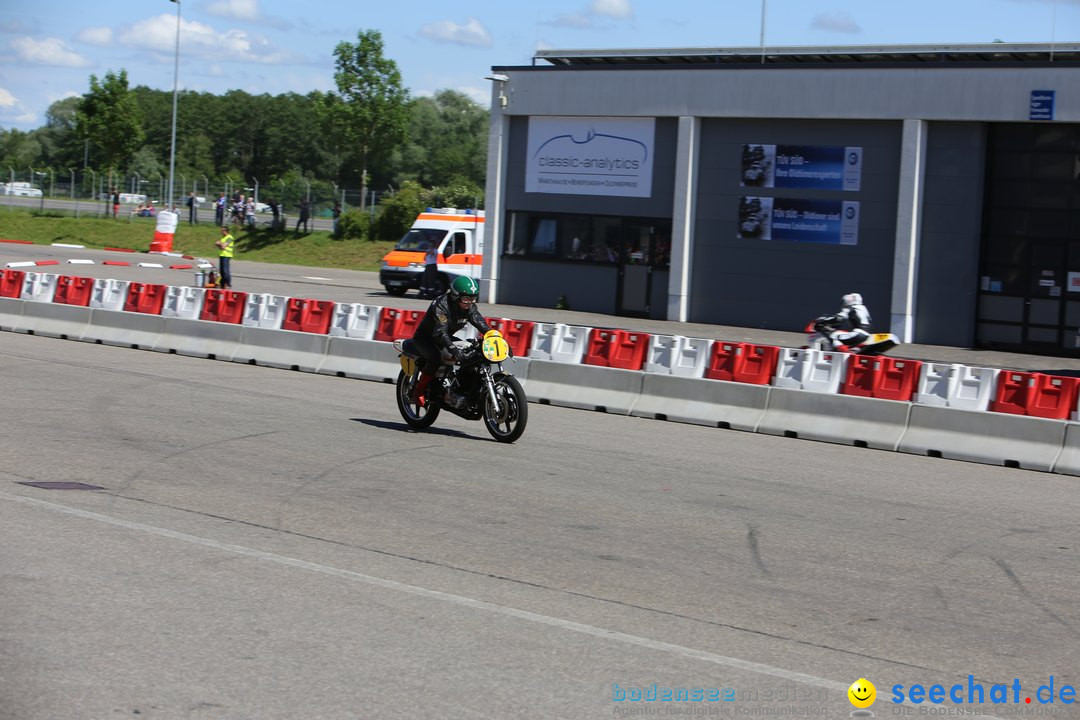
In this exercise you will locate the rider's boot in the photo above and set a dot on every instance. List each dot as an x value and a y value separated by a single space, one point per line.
420 388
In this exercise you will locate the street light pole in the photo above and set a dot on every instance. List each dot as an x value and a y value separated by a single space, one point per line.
176 85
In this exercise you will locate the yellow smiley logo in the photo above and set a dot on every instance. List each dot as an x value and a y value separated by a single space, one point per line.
862 693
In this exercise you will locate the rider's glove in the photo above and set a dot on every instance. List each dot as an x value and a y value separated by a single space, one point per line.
456 353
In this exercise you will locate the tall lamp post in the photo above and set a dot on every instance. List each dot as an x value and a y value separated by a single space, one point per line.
176 82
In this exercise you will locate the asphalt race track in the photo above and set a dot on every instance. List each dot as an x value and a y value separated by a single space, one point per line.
272 544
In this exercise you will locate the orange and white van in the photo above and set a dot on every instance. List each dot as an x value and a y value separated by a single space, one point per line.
457 234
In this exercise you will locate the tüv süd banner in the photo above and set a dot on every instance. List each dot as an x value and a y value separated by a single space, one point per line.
798 220
590 156
821 167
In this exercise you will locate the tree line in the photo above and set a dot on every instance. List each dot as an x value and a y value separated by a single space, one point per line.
368 133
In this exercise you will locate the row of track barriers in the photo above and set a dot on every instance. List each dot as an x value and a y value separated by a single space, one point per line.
885 378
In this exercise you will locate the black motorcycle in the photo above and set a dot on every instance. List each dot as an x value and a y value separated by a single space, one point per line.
477 388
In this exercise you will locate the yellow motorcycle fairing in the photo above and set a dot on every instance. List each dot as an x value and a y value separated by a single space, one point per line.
408 364
494 347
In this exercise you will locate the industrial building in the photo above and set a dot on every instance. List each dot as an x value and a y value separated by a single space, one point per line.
755 186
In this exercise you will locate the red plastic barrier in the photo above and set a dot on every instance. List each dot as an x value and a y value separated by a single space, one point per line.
46 262
1053 396
598 351
72 290
758 364
395 323
861 376
11 282
310 316
723 360
1011 395
518 335
145 298
226 306
898 379
629 349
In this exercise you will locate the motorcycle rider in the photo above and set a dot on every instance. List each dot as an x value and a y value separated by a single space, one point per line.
446 315
849 327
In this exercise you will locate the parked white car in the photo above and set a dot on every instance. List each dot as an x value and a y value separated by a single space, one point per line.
20 189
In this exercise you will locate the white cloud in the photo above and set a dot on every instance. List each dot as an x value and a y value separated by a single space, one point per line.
236 9
7 100
47 51
619 9
101 36
472 33
839 22
158 34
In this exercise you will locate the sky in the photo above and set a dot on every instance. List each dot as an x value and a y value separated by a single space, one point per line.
50 48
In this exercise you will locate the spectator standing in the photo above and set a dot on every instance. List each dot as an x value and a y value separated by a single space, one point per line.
115 203
226 244
429 284
305 209
193 209
249 212
277 214
337 217
219 210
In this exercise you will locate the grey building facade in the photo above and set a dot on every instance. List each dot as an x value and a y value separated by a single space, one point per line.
749 189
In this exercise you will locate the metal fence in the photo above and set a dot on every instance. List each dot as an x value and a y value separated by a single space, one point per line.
89 192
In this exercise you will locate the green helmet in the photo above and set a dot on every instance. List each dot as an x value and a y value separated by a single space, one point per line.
464 286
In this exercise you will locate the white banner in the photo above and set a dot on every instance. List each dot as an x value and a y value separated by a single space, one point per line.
590 156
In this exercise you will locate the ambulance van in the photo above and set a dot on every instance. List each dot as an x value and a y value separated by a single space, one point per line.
457 234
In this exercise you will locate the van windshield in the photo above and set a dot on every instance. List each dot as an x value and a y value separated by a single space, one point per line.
420 239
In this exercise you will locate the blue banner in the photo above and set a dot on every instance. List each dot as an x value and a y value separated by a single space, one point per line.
820 167
1042 105
834 222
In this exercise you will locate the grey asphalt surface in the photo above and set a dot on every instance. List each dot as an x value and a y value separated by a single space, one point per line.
363 287
272 544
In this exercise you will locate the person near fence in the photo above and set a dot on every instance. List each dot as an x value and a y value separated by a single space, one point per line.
193 209
276 211
226 244
337 216
305 210
219 210
249 211
115 203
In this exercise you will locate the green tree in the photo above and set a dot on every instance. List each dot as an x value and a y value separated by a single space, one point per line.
369 109
447 140
109 116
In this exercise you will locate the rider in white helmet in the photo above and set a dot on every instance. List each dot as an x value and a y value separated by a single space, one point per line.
850 326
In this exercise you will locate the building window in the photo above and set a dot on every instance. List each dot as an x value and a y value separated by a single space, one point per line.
590 238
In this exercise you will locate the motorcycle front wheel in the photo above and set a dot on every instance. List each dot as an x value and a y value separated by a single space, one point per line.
416 416
507 424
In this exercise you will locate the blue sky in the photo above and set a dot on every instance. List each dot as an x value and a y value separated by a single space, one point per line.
49 48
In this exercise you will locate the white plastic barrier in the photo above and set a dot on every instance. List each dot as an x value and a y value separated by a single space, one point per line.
691 356
543 340
957 386
569 343
38 287
109 294
263 310
813 370
661 354
183 302
355 320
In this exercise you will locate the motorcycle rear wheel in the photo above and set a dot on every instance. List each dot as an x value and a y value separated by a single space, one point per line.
508 425
415 415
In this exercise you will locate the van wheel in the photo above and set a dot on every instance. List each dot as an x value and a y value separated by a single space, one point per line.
395 291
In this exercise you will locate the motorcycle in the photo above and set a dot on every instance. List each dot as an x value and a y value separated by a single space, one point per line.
820 328
478 387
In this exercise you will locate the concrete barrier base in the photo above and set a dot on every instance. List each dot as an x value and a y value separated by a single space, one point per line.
54 320
363 359
281 349
586 387
1068 461
200 338
125 329
844 419
985 437
11 310
702 402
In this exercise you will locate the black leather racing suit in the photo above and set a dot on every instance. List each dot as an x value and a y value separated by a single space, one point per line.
443 318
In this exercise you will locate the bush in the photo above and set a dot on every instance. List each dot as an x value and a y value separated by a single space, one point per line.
397 213
353 225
